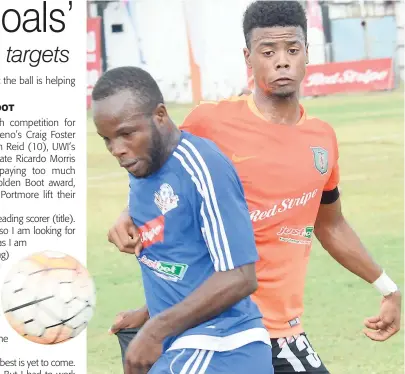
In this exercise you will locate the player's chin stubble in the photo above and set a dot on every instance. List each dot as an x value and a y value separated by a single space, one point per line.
284 94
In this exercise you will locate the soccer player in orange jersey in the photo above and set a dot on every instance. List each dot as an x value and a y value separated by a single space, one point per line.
288 165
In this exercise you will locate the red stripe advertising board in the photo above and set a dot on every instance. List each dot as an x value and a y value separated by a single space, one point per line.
93 55
355 76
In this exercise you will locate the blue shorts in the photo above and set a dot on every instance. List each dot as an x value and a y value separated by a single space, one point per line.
253 358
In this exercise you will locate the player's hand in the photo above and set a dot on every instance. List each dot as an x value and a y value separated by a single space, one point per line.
130 319
124 235
143 351
387 323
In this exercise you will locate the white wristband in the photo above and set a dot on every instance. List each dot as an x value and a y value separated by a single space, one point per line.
385 285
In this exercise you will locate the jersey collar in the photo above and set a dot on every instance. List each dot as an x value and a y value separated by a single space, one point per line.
253 108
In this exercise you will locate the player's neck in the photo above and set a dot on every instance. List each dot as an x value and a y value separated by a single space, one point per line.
172 138
279 110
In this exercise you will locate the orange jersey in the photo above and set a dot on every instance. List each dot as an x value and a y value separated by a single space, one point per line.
284 171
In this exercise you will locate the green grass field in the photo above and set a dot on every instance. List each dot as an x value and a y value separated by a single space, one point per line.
370 132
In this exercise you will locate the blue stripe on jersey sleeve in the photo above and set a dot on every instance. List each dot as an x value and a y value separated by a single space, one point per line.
225 220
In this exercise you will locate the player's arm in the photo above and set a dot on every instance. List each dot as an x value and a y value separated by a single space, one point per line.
340 240
343 244
124 234
230 241
217 294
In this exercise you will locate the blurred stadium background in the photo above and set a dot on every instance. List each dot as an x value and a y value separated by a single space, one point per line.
193 48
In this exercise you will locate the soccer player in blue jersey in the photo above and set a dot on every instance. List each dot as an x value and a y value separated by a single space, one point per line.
199 253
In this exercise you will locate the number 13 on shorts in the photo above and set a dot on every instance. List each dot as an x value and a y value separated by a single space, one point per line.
299 353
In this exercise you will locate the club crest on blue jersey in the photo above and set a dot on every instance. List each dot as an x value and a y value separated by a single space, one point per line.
166 199
320 159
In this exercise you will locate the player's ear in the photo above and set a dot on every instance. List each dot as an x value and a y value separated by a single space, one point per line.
246 53
160 113
306 54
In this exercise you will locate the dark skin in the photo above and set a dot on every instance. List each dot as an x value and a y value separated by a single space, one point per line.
141 142
132 136
277 57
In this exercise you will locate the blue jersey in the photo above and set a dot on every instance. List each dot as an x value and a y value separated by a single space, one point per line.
193 220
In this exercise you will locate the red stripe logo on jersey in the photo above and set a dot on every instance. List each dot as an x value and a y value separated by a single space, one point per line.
152 231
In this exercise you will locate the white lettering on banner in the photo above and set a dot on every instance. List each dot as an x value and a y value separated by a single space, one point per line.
347 76
152 231
286 204
151 234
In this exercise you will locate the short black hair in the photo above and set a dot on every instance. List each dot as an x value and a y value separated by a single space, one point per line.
272 14
145 90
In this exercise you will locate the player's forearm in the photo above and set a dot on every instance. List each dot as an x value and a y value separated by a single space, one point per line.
213 297
343 244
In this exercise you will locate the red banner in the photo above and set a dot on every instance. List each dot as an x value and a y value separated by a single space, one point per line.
356 76
93 55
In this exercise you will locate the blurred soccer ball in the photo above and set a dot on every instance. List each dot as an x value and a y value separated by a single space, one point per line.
48 297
